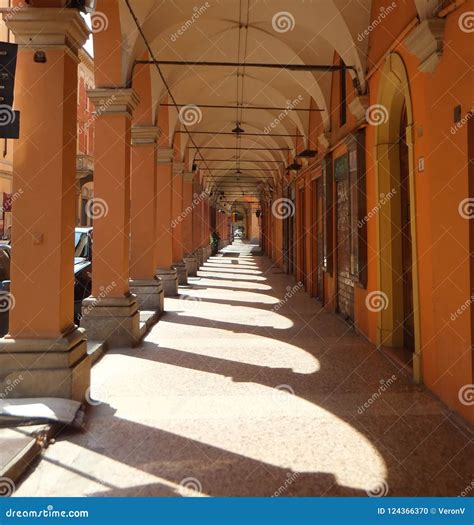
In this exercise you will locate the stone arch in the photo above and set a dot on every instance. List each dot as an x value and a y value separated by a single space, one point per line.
393 96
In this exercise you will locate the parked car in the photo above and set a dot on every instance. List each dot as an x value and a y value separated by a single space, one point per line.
82 268
82 274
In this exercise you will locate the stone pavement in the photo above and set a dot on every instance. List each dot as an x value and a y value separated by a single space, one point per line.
247 387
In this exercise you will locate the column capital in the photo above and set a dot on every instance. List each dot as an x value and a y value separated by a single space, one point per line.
118 101
164 155
324 141
426 42
178 168
145 135
358 107
48 28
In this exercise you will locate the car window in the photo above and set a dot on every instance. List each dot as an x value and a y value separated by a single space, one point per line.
80 245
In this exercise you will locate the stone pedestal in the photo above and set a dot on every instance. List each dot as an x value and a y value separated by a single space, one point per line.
199 258
115 320
46 367
169 281
149 294
182 273
191 265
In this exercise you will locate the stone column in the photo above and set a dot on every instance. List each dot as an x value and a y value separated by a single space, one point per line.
176 222
187 228
197 224
143 283
164 250
111 313
44 354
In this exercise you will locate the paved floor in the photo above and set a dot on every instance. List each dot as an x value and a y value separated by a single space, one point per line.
247 387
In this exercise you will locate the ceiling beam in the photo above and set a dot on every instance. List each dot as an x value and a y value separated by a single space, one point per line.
237 148
254 108
289 67
245 134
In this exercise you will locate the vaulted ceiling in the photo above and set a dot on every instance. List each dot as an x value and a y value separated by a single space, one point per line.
245 32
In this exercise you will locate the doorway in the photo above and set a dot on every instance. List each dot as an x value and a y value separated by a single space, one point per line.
407 248
398 320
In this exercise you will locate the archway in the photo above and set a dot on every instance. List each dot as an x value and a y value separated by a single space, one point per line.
398 324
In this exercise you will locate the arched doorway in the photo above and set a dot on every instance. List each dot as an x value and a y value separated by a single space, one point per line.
398 324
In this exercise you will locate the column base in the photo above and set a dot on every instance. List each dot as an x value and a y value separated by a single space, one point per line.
206 252
45 367
115 320
182 273
169 280
191 265
199 257
149 294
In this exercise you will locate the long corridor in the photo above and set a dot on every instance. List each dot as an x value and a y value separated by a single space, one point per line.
247 387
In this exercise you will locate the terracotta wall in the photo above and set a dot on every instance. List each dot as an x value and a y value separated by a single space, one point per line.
443 235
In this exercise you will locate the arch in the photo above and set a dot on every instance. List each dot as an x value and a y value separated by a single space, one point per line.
394 97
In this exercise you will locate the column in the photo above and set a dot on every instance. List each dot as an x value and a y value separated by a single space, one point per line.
197 223
164 247
45 354
111 313
187 228
176 222
143 283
